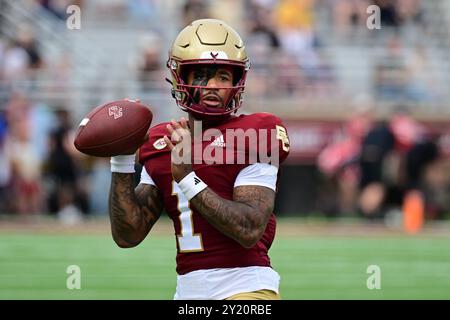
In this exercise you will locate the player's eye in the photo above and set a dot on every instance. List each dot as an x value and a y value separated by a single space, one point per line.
224 77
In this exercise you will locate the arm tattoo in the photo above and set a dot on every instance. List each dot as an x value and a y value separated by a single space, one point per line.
244 219
132 212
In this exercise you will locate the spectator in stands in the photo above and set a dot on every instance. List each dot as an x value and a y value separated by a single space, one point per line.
20 57
60 72
263 45
25 39
58 7
149 64
5 167
230 11
349 14
193 10
320 79
3 86
388 13
390 72
260 25
67 197
287 77
295 22
26 189
409 11
419 84
404 75
13 63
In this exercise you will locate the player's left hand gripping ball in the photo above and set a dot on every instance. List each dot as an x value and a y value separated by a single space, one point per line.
115 128
180 145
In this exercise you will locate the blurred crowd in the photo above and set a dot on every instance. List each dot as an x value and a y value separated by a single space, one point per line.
41 171
288 42
382 168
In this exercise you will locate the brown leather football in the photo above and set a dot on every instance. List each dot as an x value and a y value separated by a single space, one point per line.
115 128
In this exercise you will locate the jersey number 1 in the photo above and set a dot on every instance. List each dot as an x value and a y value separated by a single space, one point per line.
188 241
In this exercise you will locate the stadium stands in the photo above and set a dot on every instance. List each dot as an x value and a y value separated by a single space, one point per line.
311 58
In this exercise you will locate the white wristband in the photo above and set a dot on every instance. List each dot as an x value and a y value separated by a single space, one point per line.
123 164
191 185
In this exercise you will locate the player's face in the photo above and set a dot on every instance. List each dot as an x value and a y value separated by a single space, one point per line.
217 79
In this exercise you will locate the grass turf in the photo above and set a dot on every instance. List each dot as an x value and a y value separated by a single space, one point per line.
311 267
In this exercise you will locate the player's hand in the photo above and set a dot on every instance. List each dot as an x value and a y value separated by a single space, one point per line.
180 146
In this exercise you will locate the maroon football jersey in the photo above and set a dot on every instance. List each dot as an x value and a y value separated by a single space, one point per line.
199 244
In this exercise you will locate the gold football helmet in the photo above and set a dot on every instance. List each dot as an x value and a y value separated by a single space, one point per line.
207 41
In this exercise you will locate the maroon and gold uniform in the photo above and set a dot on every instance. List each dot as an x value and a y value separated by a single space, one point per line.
228 171
199 244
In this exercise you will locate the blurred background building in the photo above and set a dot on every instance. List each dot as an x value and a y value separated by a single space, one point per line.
336 84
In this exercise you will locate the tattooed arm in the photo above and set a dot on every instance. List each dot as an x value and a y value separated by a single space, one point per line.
132 212
244 219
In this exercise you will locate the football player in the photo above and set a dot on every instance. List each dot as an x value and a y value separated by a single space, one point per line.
222 211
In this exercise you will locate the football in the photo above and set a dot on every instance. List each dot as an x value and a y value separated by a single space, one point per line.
115 128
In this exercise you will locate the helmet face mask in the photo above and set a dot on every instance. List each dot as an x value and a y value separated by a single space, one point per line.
204 43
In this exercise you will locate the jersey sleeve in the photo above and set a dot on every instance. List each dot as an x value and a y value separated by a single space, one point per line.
258 174
277 143
155 145
145 178
153 156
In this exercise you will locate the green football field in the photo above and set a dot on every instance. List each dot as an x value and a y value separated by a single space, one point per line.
312 266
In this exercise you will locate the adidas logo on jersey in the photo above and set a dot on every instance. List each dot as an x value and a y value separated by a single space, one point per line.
218 142
196 180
